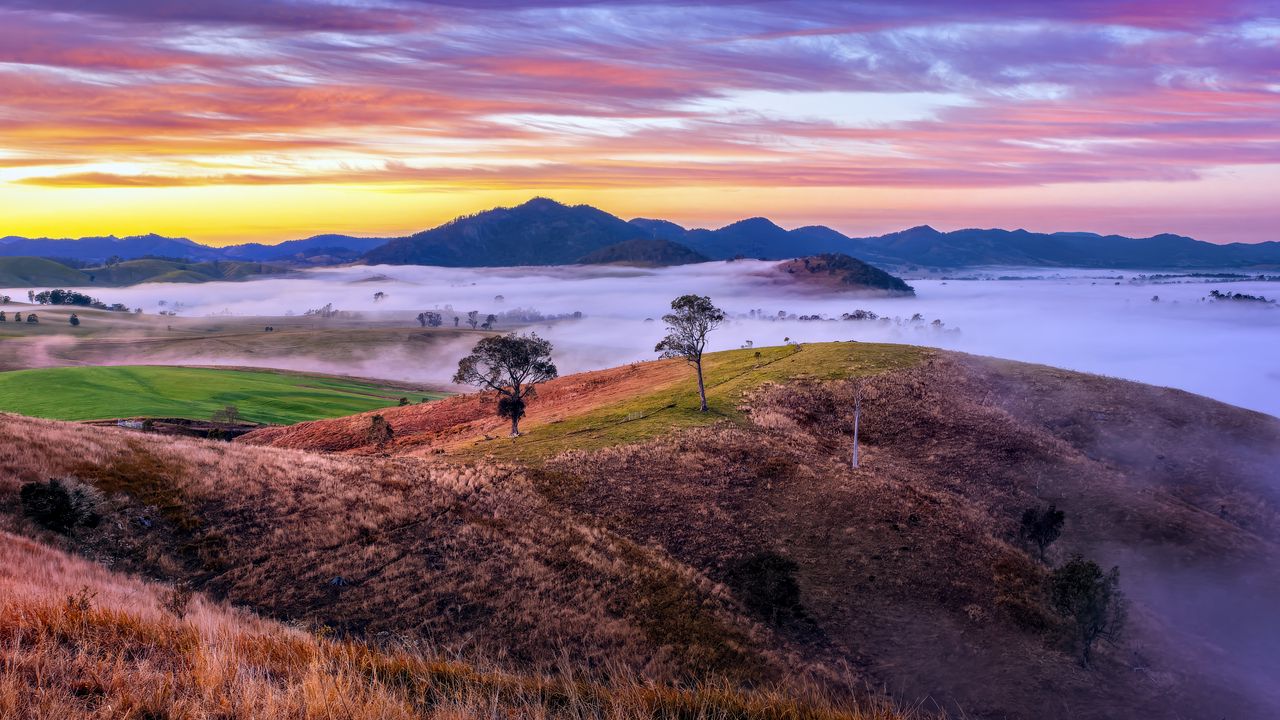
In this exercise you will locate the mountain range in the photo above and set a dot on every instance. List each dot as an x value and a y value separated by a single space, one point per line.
545 232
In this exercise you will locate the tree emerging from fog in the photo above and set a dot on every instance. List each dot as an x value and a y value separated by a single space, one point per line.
693 317
511 366
1089 599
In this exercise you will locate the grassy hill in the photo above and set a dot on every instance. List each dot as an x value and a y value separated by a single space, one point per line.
93 393
911 563
628 531
17 272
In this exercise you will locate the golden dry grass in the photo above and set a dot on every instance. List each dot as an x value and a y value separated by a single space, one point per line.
77 641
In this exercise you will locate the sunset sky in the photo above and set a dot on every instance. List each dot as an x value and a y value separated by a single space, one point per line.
235 120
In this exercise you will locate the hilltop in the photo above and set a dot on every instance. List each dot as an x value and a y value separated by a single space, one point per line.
839 272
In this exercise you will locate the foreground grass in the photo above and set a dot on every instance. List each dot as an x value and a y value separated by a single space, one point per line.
77 641
655 411
95 393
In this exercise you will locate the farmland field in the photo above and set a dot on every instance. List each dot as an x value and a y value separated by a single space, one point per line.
94 393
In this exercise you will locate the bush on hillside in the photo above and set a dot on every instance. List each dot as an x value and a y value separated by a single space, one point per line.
1091 601
1041 527
61 505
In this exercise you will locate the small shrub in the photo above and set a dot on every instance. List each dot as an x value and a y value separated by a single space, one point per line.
1041 527
177 599
404 401
60 505
380 431
81 601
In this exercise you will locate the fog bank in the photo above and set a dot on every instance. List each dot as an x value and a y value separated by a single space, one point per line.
1095 321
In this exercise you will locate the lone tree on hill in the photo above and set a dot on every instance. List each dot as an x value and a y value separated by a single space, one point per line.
74 319
510 365
1091 600
1041 527
692 318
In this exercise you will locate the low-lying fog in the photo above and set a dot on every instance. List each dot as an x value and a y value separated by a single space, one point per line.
1097 321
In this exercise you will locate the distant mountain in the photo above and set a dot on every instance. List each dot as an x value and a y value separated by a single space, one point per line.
659 229
649 252
928 247
322 248
99 249
545 232
539 232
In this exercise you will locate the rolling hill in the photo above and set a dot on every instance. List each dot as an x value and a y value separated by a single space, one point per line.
42 272
909 567
627 530
17 272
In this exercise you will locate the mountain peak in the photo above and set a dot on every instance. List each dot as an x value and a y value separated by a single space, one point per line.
541 204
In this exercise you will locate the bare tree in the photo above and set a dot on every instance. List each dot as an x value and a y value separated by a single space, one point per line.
857 416
510 365
693 317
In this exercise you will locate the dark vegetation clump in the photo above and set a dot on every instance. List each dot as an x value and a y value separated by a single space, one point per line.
1091 601
380 431
1041 527
766 582
61 505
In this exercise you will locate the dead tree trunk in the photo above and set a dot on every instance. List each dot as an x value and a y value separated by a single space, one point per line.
857 415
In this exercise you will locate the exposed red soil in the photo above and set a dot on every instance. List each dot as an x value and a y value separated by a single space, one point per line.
454 421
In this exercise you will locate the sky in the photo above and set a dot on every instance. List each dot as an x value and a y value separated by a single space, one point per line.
236 120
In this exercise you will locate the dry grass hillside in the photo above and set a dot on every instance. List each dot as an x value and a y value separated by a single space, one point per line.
909 566
79 641
622 535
